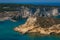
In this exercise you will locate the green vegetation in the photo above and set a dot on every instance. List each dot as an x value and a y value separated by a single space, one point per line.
47 22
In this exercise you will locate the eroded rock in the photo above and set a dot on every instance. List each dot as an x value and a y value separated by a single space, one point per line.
41 25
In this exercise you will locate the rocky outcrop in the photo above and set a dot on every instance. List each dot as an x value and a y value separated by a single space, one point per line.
40 25
27 26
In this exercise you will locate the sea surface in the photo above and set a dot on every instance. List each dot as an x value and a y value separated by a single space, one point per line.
7 32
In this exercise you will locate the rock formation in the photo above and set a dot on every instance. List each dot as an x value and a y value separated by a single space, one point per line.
26 12
40 25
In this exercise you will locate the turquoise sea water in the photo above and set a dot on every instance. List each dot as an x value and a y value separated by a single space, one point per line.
7 32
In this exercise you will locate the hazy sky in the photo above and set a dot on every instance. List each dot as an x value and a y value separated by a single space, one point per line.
28 1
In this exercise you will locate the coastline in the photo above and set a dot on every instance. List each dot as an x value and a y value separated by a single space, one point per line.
30 27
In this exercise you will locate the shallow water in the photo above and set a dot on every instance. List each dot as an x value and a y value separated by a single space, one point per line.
7 32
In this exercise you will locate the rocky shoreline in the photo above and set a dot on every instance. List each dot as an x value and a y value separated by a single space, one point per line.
31 27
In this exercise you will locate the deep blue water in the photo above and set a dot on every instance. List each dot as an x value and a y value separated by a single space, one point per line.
7 32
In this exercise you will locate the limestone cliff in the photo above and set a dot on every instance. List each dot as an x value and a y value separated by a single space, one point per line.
41 25
25 12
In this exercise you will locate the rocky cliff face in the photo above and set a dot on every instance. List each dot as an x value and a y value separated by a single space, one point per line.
40 25
25 12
